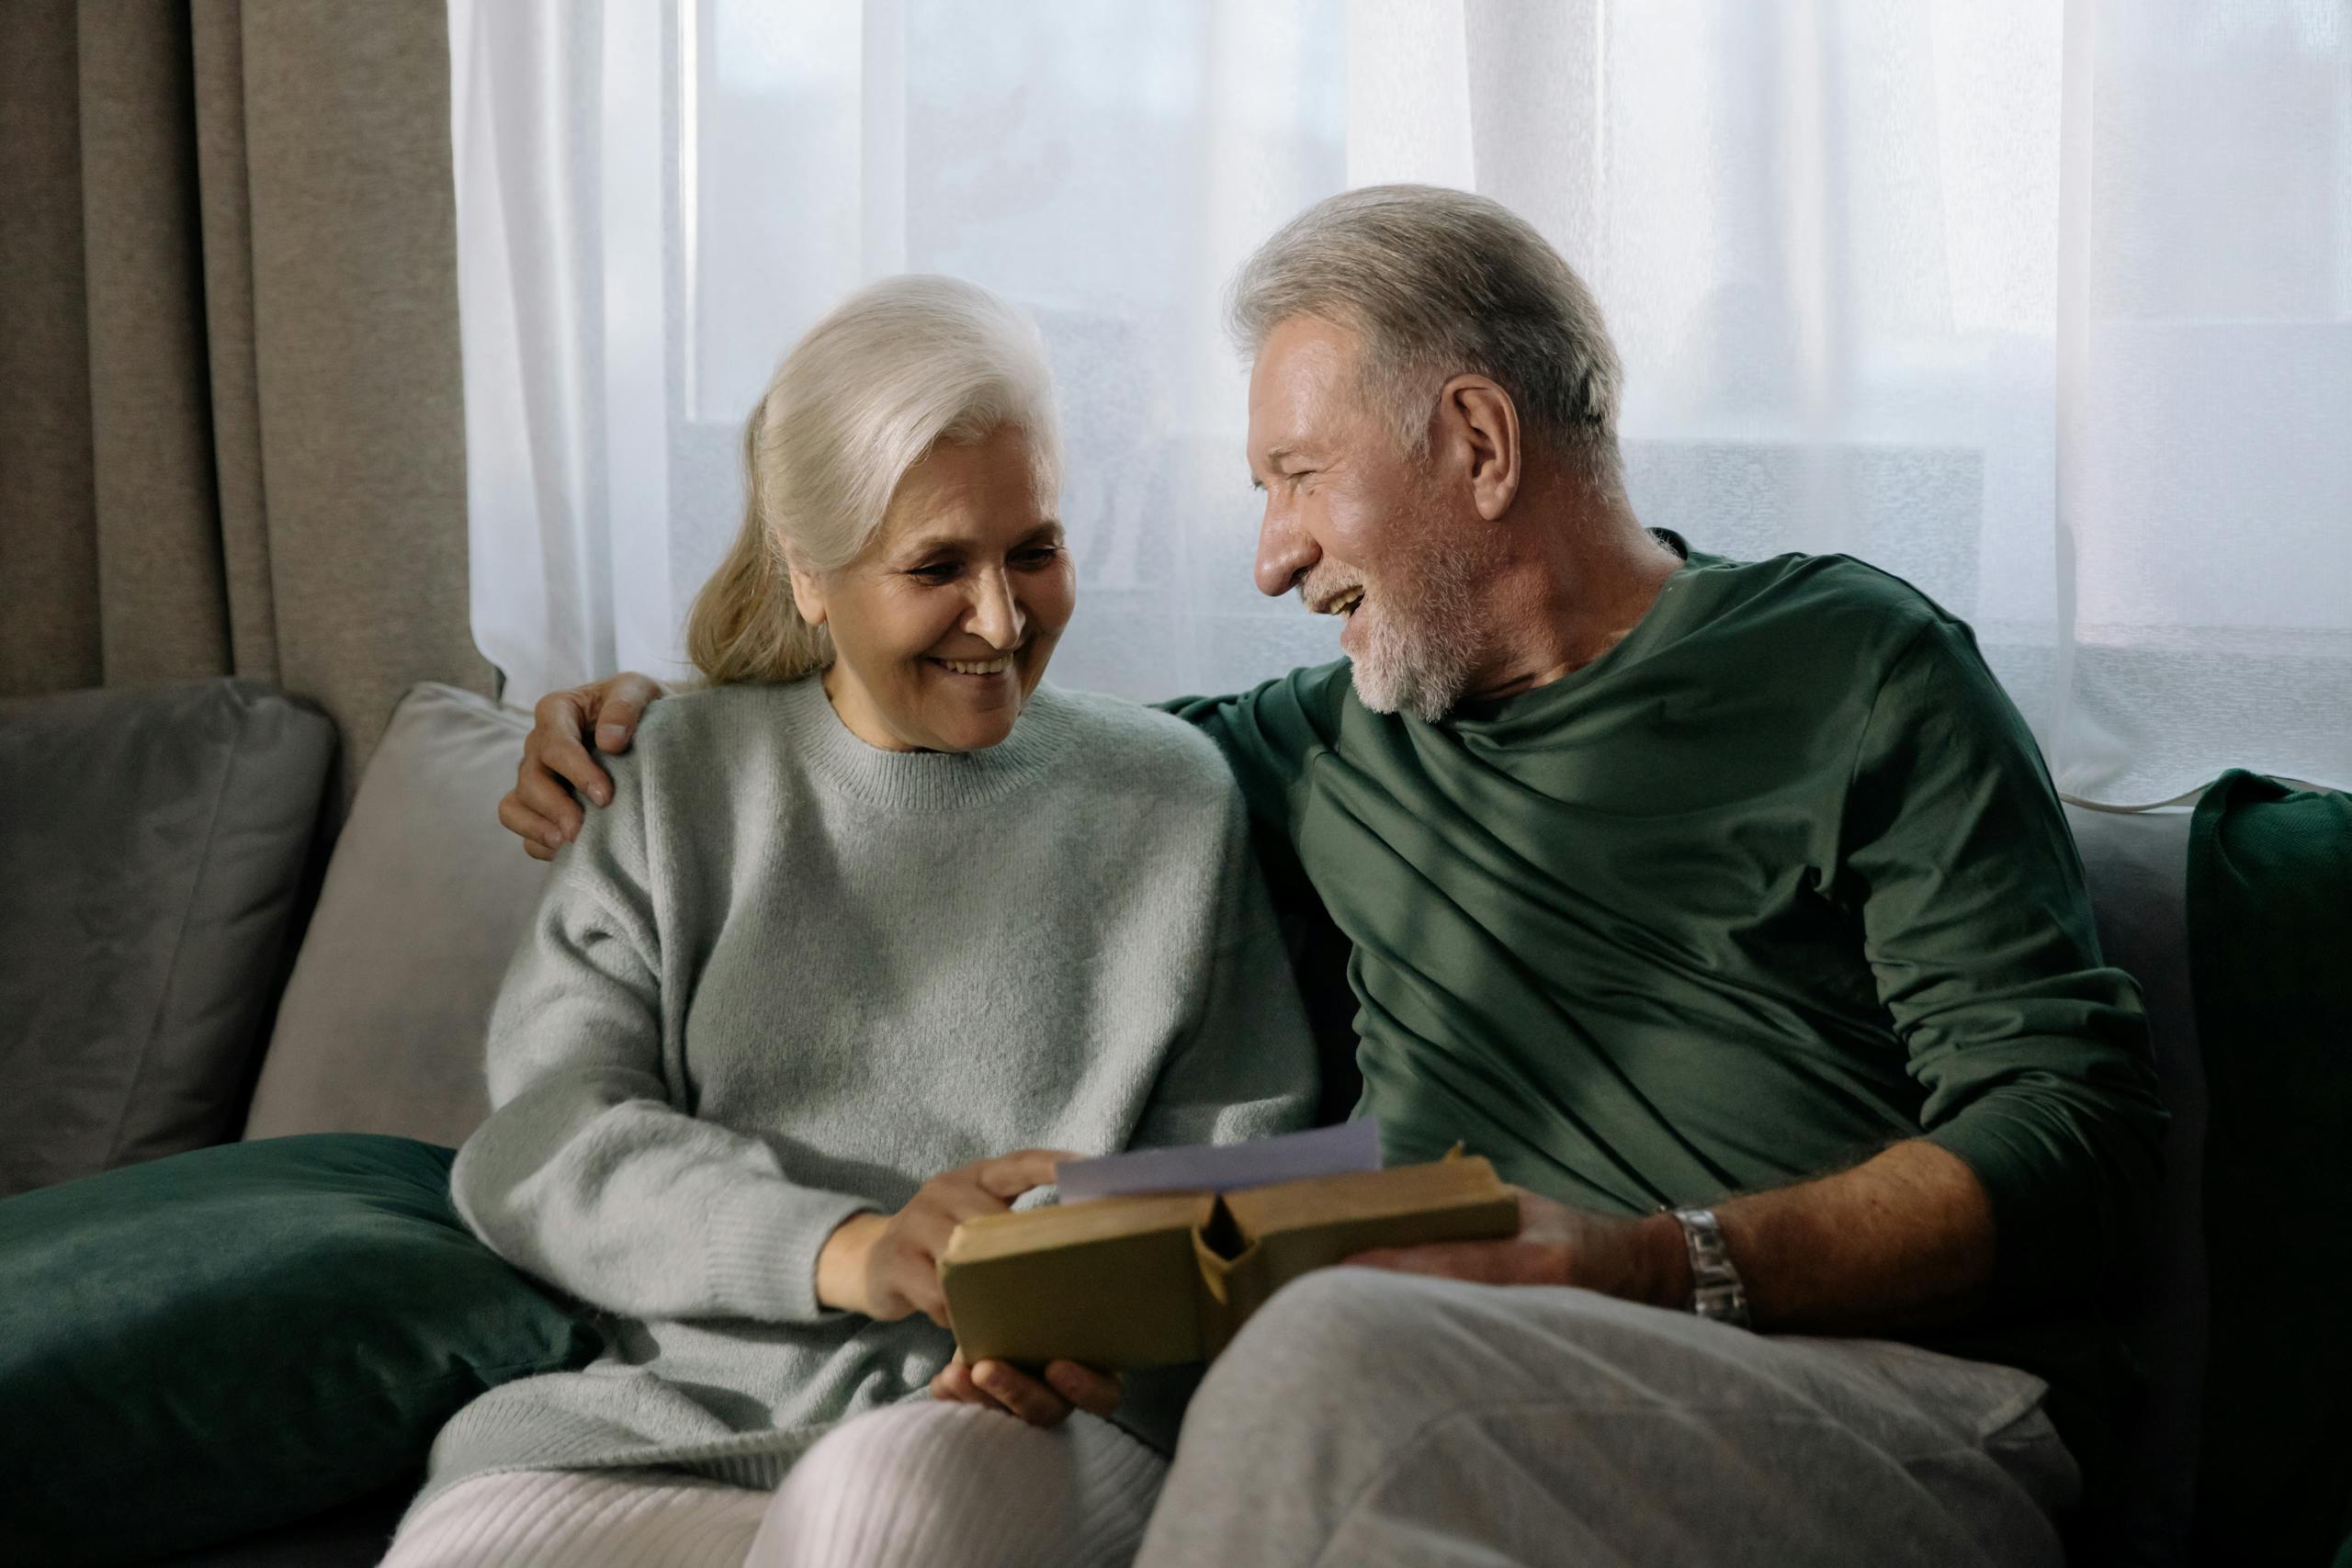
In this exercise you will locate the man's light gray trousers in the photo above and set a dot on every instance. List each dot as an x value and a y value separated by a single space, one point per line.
1365 1419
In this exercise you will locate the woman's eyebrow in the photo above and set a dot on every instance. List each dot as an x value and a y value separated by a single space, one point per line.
956 544
930 544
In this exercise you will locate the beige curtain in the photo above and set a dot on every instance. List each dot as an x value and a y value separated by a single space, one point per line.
231 435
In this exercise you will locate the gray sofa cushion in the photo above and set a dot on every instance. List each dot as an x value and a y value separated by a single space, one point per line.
151 847
381 1029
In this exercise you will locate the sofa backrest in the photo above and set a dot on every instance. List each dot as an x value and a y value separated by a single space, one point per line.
382 1026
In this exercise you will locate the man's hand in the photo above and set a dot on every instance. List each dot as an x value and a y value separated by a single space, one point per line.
1638 1260
1066 1386
1903 1240
556 759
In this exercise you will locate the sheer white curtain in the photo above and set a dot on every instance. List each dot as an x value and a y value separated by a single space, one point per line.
2044 307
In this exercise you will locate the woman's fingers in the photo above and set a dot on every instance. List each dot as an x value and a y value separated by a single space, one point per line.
948 1200
1096 1392
901 1278
1009 1175
920 1232
932 1302
925 1224
961 1194
954 1384
1022 1394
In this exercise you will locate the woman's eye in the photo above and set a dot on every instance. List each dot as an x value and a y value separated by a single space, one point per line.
1042 555
938 572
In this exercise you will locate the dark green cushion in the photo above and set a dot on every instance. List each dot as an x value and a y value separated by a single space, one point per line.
2270 926
222 1340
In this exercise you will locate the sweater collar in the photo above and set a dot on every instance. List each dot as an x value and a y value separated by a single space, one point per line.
925 780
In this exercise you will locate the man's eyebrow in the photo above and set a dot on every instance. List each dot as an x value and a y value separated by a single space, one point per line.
1274 459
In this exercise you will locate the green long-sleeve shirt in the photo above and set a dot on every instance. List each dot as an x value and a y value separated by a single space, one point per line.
1776 881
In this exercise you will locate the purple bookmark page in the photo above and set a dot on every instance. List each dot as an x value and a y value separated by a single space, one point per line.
1206 1168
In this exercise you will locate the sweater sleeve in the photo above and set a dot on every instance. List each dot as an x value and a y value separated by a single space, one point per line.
1245 1065
590 1172
1978 929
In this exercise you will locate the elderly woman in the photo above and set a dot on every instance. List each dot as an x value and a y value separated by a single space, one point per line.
874 924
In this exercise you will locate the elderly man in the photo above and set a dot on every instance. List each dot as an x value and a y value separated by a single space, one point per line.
1726 906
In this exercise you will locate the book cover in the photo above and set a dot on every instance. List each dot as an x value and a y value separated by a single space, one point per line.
1158 1278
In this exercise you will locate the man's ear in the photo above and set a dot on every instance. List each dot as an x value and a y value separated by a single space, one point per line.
807 595
1479 416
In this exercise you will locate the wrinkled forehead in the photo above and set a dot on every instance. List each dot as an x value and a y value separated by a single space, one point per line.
993 489
1305 384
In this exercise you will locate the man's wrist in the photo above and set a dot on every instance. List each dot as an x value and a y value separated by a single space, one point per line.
1667 1258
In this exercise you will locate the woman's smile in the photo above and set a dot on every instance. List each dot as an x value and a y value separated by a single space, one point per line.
988 669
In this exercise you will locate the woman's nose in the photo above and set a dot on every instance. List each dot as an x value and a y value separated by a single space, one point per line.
997 616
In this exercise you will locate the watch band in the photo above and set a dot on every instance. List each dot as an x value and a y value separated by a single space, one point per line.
1715 1291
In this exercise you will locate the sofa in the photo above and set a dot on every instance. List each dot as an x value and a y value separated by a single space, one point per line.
195 956
305 991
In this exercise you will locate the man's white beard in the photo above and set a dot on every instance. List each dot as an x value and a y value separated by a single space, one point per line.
1418 653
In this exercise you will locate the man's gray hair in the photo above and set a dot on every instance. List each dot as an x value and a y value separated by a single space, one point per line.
1440 282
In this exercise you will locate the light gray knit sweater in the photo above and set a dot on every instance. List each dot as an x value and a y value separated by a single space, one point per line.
786 977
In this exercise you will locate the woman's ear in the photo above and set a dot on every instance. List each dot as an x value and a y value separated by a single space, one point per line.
807 596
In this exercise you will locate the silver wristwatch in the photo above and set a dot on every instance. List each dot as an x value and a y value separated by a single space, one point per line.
1716 1291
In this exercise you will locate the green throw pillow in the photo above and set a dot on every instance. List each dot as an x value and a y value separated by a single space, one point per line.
2270 924
209 1344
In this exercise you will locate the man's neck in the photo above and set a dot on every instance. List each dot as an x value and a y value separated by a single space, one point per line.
1585 574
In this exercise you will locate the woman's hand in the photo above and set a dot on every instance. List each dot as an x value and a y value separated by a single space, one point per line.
888 1267
1066 1386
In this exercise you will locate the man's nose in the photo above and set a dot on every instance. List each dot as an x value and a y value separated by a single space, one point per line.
997 616
1284 551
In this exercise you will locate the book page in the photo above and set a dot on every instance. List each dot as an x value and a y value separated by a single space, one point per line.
1228 1168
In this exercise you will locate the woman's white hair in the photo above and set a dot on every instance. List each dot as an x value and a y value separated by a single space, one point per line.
897 369
1438 282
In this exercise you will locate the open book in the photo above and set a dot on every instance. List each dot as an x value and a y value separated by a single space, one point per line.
1149 1279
